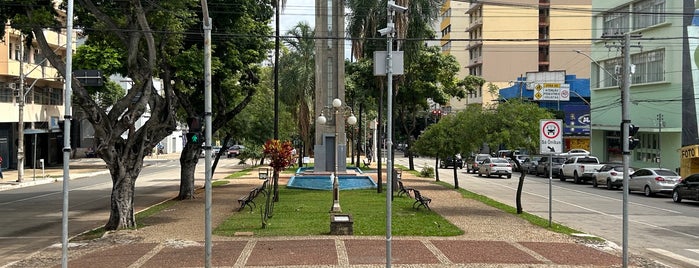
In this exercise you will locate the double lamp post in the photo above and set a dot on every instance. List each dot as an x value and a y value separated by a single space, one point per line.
339 110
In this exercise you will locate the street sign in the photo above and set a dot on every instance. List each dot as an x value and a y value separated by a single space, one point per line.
552 91
551 136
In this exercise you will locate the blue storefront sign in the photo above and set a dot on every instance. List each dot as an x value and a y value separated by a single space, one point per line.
577 120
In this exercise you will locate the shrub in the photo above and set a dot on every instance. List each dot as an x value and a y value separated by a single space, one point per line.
427 172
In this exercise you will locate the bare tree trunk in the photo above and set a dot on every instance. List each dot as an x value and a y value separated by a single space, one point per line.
456 178
124 172
188 163
436 168
520 184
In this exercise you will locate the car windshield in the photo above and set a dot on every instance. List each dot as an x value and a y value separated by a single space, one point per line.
663 172
500 160
621 169
587 160
558 160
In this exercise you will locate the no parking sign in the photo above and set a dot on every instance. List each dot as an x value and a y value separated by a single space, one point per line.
551 136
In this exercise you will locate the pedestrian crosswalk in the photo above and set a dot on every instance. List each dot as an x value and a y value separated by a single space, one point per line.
688 255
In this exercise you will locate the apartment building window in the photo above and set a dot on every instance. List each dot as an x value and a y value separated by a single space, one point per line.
446 46
56 96
446 14
616 21
446 30
649 67
648 13
6 93
18 52
604 73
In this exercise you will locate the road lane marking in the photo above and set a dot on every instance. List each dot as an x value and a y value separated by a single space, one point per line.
675 256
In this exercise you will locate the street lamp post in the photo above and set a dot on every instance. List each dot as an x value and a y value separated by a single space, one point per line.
338 109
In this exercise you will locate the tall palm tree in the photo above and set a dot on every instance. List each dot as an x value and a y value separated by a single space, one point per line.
297 77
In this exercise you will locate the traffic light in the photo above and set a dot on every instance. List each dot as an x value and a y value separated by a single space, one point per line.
633 141
194 137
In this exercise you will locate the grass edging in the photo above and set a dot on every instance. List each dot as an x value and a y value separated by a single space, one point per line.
533 219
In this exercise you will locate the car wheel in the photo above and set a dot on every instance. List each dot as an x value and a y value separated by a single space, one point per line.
609 184
676 196
560 176
647 192
576 178
594 183
509 176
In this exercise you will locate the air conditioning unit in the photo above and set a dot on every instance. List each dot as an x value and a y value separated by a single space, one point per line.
12 86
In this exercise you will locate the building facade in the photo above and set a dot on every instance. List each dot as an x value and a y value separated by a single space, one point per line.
509 38
661 90
25 72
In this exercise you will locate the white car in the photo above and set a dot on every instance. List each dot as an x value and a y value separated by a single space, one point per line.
495 166
575 152
653 180
611 175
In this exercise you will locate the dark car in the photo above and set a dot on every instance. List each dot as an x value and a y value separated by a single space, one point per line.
451 161
234 150
687 189
529 164
472 166
542 168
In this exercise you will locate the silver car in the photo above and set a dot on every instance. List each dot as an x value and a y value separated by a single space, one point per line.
653 180
611 175
495 166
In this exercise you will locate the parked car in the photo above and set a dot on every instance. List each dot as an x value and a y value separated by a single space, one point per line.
234 150
575 152
542 168
495 166
529 164
653 180
451 161
215 150
611 175
687 189
472 166
580 168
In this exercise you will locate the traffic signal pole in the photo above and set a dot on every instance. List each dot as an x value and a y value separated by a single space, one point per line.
626 129
625 121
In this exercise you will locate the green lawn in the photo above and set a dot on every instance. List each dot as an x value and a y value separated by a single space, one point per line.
306 212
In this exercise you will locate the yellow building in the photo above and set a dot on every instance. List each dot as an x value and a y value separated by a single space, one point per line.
503 40
43 108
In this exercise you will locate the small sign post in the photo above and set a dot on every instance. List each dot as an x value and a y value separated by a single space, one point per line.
550 143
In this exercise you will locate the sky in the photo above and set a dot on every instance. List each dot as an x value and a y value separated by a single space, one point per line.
297 11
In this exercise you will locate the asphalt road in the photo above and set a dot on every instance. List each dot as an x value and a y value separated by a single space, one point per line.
658 227
31 216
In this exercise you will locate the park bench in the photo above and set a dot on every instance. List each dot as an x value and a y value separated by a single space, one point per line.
366 163
402 189
421 200
247 200
263 188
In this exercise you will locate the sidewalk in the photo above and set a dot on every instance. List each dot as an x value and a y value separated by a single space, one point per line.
175 238
79 168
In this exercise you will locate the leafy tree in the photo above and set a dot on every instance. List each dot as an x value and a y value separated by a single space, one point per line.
239 43
514 124
436 83
297 79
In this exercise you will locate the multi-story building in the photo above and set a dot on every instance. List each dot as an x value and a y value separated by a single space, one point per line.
662 101
43 108
508 38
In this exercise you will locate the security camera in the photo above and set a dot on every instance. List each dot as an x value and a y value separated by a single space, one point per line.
386 31
393 7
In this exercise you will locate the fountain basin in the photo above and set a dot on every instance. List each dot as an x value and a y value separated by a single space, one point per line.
323 182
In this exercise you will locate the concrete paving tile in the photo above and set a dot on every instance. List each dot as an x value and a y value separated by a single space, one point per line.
360 251
465 251
293 252
573 254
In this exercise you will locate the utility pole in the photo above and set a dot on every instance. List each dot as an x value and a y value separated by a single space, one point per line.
660 129
625 80
20 103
